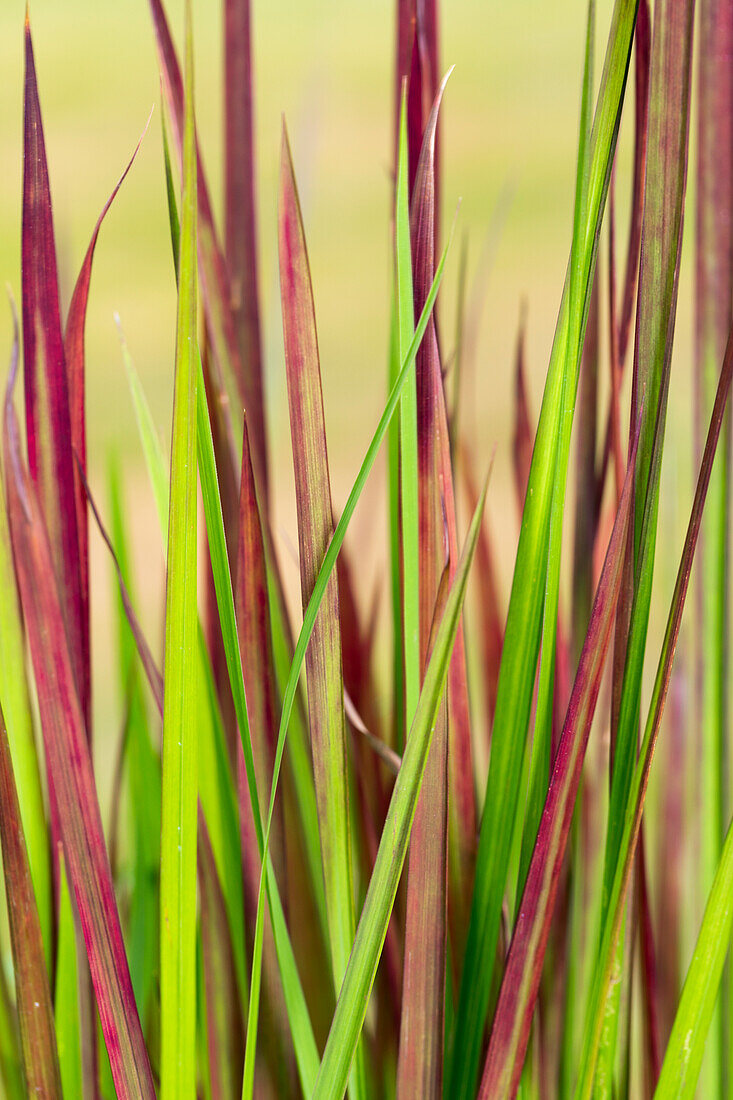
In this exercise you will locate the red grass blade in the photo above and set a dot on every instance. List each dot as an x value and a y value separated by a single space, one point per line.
70 769
215 288
75 369
258 669
627 848
315 527
439 815
433 422
152 672
586 510
240 222
520 986
32 990
48 416
224 1026
492 622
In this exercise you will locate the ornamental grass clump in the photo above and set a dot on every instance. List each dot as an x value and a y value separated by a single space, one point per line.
304 888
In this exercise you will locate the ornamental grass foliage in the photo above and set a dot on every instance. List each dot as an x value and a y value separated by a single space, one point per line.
299 884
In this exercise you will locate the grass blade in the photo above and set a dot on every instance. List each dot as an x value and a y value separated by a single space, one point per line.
520 985
255 641
15 703
580 307
75 370
215 289
180 786
70 770
224 1026
144 788
420 1065
658 281
686 1047
301 1029
594 1018
713 298
523 438
319 588
315 526
240 228
48 416
11 1065
521 643
33 994
354 997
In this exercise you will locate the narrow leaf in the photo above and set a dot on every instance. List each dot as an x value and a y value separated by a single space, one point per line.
713 312
48 417
15 702
240 221
215 289
521 981
354 997
33 994
524 619
180 786
315 527
682 1062
70 768
614 912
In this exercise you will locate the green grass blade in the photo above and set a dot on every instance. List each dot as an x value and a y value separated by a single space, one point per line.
686 1046
155 462
664 198
180 787
596 1007
521 643
540 764
311 611
33 993
11 1067
354 998
408 435
66 994
144 786
282 645
521 982
216 785
301 1029
713 298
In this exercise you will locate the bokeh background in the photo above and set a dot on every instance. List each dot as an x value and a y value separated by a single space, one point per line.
509 134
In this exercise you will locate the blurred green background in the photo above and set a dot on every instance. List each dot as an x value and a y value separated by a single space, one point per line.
509 133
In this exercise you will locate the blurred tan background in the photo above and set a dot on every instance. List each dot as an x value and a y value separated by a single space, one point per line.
509 131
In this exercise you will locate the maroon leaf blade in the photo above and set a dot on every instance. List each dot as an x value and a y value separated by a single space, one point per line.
492 624
520 985
75 371
215 284
70 770
48 417
258 670
445 818
33 993
152 672
240 224
224 1026
323 660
